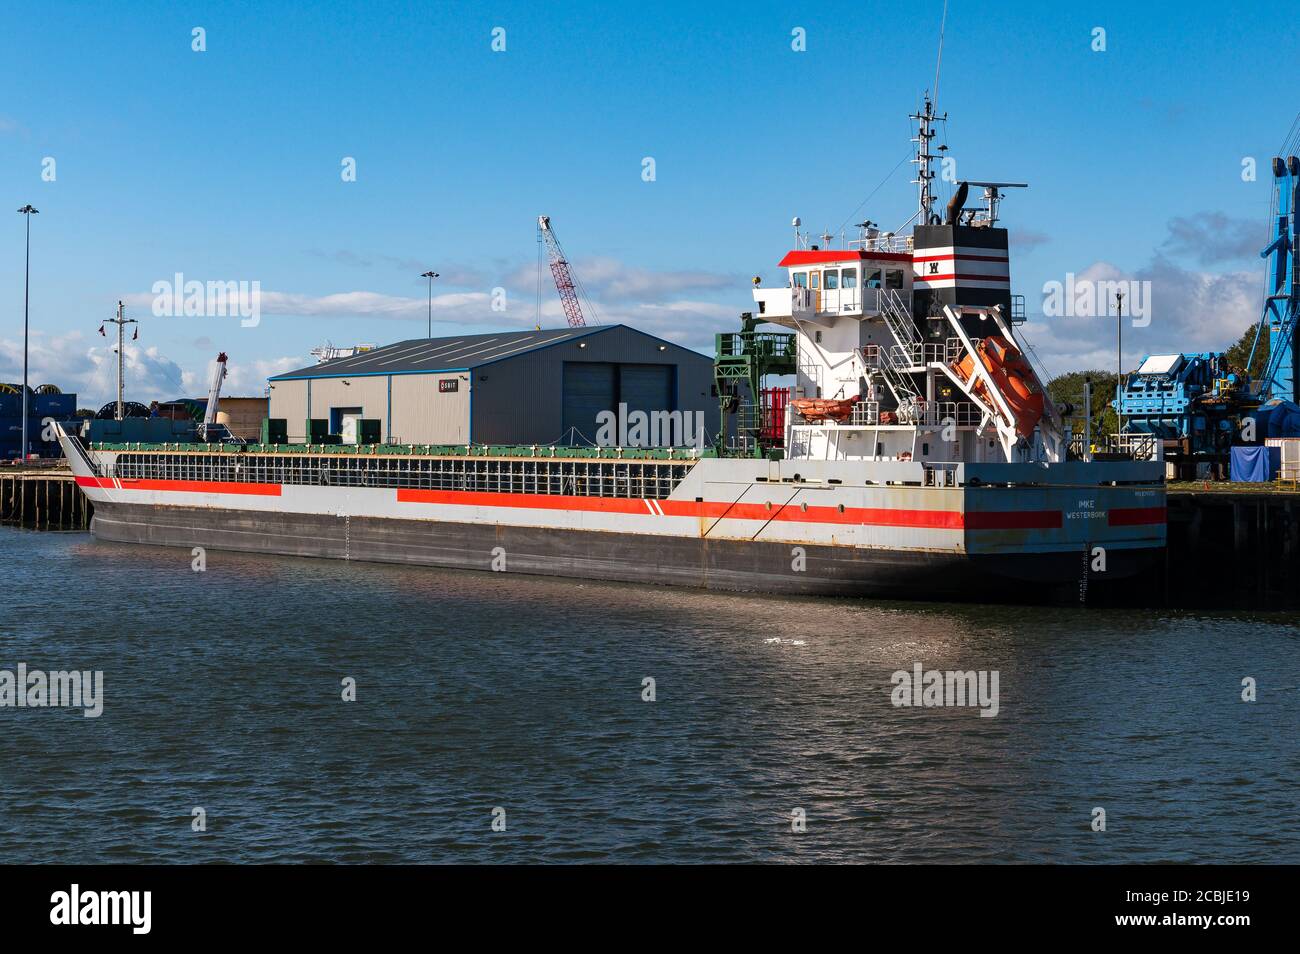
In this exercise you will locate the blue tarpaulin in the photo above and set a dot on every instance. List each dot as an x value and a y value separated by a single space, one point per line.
1254 464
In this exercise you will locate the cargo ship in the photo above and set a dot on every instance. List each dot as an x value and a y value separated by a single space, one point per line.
908 448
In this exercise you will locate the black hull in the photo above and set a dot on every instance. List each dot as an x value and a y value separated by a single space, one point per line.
734 565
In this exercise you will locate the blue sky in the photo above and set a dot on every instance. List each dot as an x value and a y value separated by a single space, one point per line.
225 164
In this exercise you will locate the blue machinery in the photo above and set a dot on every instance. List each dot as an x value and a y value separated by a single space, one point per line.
46 401
1196 403
1189 401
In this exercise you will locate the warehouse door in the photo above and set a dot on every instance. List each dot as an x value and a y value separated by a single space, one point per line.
343 421
646 387
589 388
650 388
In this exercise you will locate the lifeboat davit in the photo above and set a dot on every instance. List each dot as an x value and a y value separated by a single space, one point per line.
815 410
1012 375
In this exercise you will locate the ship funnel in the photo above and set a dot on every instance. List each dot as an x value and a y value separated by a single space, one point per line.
955 204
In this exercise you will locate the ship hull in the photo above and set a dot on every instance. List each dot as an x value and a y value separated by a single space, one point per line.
715 564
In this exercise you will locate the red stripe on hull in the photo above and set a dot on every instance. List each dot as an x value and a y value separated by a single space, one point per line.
708 510
474 498
183 486
1136 516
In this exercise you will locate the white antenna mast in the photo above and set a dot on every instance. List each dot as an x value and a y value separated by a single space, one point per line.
924 133
938 64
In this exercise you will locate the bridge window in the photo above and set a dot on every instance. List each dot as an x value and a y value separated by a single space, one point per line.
849 278
832 278
800 279
893 279
873 278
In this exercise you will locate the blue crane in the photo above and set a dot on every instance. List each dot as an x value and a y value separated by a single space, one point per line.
1282 304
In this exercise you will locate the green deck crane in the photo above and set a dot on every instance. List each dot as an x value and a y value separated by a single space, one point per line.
748 357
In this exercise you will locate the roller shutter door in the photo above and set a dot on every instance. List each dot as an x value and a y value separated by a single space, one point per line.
647 387
589 388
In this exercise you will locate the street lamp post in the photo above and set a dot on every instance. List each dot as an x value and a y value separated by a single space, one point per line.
27 211
431 275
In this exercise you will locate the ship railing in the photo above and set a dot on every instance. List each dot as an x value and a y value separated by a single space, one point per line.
898 318
1133 446
1136 446
865 413
810 369
892 364
960 413
919 411
887 242
800 443
1018 309
803 301
771 344
875 300
907 356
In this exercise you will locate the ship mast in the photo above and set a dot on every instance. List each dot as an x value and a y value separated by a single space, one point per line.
925 133
925 120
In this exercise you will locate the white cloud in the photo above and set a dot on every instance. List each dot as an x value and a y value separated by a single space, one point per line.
1026 240
1190 311
653 301
89 367
446 307
606 279
1212 238
243 378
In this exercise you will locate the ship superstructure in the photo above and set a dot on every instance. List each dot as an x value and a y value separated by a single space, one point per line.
914 336
907 448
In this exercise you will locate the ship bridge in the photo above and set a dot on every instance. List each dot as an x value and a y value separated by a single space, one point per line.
823 285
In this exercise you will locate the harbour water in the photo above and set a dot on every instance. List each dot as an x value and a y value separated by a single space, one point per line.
481 691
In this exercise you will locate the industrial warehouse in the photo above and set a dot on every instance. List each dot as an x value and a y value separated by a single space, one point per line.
522 387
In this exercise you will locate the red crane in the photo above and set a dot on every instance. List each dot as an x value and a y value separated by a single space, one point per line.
564 282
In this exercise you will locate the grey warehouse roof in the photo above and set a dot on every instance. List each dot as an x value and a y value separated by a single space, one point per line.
457 353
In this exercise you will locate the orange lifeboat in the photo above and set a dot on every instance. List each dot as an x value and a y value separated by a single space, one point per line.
1012 375
815 410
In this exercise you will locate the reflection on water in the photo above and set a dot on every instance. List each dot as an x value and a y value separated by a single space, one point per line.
479 690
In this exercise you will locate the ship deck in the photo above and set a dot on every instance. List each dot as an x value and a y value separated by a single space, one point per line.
518 451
